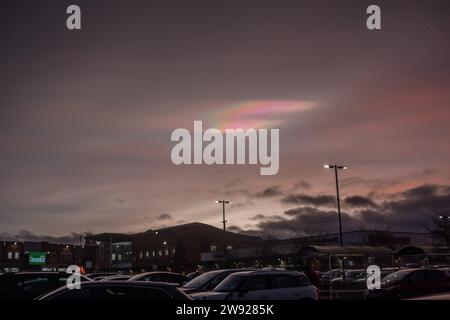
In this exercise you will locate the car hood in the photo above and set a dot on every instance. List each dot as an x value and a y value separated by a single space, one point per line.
210 295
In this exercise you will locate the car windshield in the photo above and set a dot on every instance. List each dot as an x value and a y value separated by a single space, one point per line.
230 284
201 280
396 276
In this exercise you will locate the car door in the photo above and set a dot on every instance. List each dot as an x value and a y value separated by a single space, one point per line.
414 284
283 287
290 287
255 287
435 281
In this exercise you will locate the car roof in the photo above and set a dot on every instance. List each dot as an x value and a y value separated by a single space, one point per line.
266 272
127 283
219 271
158 272
38 272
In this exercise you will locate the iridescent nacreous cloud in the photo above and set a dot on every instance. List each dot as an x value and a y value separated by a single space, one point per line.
256 113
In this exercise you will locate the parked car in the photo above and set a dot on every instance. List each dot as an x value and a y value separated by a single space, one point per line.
262 285
193 275
157 276
207 281
353 279
101 275
410 283
118 290
29 285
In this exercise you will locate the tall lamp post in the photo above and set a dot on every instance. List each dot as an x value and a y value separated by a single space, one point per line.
223 202
224 221
446 234
336 168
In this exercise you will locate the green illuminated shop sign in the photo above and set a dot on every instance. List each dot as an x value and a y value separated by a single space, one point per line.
36 258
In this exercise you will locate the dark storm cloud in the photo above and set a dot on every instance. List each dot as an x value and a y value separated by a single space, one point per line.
409 210
417 204
25 235
263 217
235 229
269 192
303 218
303 199
164 216
359 201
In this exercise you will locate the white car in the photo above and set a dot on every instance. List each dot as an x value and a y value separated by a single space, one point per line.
262 285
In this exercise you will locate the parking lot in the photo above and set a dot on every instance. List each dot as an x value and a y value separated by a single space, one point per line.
269 283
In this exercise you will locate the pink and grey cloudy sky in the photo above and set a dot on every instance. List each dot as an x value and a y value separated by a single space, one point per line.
86 116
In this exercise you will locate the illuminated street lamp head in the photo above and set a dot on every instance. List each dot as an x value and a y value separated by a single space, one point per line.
165 243
335 166
441 217
223 201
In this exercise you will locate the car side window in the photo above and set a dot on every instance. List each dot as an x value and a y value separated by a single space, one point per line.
283 281
415 277
172 278
214 282
153 277
80 294
167 278
302 281
434 275
256 283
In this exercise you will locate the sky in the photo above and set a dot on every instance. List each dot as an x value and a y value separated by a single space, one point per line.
86 116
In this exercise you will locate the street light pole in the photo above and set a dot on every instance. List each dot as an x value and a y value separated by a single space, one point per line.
224 221
446 233
223 217
336 167
339 206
